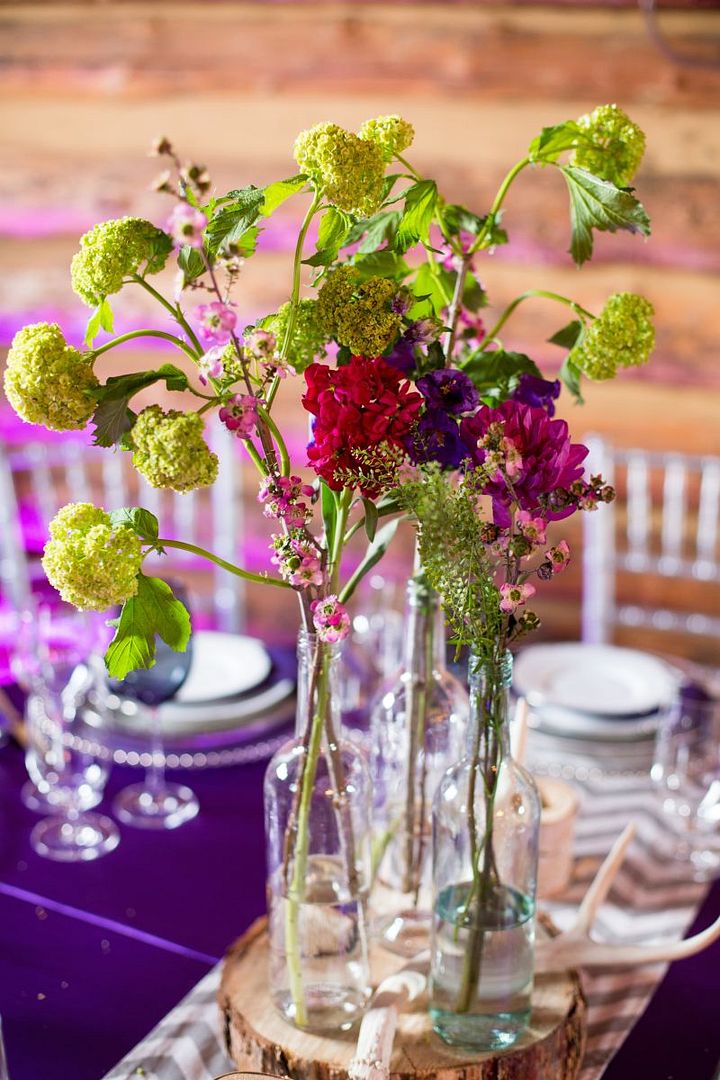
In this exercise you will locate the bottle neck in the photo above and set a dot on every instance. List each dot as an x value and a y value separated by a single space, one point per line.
317 683
424 630
489 682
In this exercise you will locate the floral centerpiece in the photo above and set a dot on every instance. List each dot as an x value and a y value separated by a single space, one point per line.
404 387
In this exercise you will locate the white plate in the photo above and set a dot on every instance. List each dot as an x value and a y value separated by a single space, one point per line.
223 666
554 720
601 680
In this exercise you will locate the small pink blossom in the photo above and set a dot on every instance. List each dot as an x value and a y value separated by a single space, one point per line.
309 572
281 497
211 364
186 225
330 619
217 321
239 415
261 344
558 557
514 596
513 460
532 528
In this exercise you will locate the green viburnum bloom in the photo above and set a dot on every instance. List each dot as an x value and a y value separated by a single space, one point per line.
92 564
49 382
309 338
615 145
347 169
113 250
622 336
170 452
391 133
358 314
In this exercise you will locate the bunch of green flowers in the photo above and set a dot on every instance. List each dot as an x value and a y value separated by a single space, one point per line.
612 147
621 336
347 169
49 382
391 133
92 563
112 251
169 450
359 314
309 337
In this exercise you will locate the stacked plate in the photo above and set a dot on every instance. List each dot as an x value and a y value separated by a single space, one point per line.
594 691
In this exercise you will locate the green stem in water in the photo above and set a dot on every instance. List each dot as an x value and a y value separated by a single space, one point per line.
542 293
263 579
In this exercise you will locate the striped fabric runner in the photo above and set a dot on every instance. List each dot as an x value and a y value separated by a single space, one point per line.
650 901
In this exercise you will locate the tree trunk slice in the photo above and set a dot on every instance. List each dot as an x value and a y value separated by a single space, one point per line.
258 1039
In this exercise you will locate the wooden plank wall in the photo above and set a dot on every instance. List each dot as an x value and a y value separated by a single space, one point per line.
84 87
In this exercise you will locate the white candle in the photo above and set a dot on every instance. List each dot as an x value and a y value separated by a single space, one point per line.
557 827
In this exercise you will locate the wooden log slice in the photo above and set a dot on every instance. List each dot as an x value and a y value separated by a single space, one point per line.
258 1039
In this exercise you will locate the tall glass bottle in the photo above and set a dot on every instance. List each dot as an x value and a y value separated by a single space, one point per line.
317 828
417 731
486 819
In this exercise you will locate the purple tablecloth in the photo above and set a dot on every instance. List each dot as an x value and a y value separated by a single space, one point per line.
92 956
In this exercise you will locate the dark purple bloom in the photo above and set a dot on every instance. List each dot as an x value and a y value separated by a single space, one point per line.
402 357
541 393
437 438
424 331
450 390
546 459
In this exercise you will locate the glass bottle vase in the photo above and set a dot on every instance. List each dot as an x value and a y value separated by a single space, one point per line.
317 828
486 819
417 731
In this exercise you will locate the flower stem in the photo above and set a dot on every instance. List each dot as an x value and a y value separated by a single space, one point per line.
174 310
295 294
544 294
279 441
483 239
342 502
178 342
263 579
455 306
410 168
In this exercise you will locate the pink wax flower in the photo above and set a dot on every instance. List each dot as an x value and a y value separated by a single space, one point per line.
514 596
217 321
239 415
261 344
309 572
211 364
558 557
281 497
330 619
532 528
186 225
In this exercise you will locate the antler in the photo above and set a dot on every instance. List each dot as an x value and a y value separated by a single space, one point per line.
575 947
377 1031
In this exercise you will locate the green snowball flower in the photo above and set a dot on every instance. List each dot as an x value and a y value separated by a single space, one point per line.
622 336
614 147
49 382
359 314
92 564
113 250
170 452
391 133
349 170
309 338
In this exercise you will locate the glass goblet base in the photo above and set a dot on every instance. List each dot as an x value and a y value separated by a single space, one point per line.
41 801
78 839
407 933
167 807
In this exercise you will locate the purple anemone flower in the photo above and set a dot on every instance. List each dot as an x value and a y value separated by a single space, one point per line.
402 357
541 393
450 390
437 438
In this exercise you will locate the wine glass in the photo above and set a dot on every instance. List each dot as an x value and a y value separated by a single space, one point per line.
686 775
55 645
156 803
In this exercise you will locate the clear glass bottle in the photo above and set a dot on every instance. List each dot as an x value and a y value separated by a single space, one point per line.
486 819
317 828
417 730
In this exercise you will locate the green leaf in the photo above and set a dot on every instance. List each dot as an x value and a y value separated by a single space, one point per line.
153 610
496 373
332 233
247 243
383 263
112 417
140 521
571 375
276 194
328 507
456 219
374 553
232 221
101 319
431 289
375 231
568 336
371 518
191 263
598 204
552 141
420 205
433 360
160 247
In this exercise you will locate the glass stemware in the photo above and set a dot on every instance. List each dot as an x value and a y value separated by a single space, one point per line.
686 775
51 650
156 803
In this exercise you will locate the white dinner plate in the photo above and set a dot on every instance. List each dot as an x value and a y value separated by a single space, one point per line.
601 680
223 666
